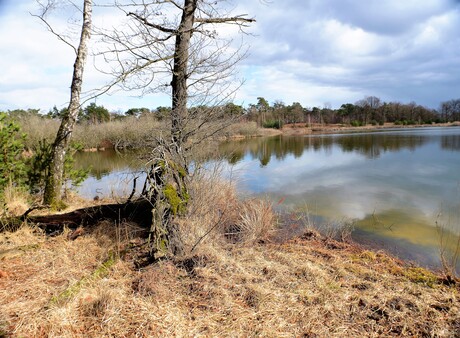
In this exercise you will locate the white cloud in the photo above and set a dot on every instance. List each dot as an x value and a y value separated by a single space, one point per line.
311 52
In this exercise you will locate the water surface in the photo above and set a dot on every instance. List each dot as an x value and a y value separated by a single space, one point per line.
397 187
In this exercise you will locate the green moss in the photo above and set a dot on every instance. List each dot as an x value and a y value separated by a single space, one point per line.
100 272
58 205
182 172
177 202
173 198
162 164
421 276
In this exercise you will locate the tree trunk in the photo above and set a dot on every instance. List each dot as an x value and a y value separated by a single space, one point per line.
54 180
167 180
180 72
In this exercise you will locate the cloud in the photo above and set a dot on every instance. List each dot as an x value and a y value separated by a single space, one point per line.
312 52
400 51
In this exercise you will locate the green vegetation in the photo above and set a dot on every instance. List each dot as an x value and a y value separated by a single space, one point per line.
38 166
23 169
273 124
12 164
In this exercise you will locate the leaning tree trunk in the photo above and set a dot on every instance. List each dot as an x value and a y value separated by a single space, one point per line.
54 179
166 184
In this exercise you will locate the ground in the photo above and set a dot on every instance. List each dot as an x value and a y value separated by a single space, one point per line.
309 286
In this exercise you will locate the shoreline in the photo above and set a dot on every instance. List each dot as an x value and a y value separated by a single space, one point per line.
300 129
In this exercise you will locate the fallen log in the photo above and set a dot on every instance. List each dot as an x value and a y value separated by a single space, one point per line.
138 211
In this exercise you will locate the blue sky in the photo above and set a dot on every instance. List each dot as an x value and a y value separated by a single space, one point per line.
316 52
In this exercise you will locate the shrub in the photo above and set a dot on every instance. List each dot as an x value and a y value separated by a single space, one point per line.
275 124
12 166
356 123
39 163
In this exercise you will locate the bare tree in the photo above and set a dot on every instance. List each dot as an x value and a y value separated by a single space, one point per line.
53 182
175 47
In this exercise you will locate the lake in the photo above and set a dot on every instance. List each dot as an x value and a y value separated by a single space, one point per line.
398 189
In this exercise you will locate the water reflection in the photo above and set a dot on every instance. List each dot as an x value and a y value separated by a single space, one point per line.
396 185
450 142
111 174
103 163
371 145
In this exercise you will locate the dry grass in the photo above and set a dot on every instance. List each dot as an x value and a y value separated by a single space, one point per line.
310 286
218 217
15 201
128 133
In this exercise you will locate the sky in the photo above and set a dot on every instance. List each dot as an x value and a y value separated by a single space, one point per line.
319 53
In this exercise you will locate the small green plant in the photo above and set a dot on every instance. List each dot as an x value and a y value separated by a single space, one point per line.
12 166
39 164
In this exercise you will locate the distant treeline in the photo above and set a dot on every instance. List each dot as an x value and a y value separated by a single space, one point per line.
370 110
137 127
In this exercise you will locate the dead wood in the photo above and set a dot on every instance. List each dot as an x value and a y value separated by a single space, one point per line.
138 211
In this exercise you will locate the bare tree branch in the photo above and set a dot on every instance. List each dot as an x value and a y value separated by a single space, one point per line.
46 8
150 24
236 19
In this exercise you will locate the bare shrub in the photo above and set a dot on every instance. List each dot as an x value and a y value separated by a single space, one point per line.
449 245
242 129
38 128
131 132
255 222
217 216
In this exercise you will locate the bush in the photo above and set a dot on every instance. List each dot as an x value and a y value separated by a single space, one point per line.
39 163
356 123
12 166
275 124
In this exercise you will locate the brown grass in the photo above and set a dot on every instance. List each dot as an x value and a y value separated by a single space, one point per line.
310 286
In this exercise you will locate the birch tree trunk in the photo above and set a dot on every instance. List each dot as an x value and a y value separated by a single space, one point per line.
54 180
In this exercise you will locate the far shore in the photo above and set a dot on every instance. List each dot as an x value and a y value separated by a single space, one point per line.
299 129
